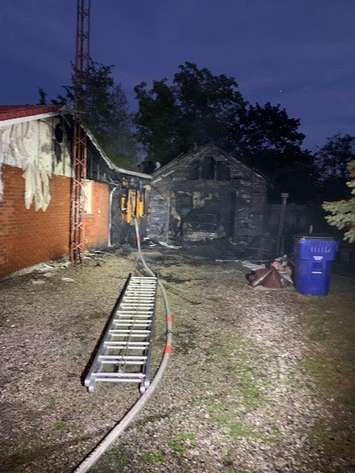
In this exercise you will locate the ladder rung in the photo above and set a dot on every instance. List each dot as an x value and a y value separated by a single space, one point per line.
144 278
141 288
131 333
135 309
123 360
138 305
142 315
139 309
141 291
128 345
142 281
139 302
139 376
127 331
144 300
142 284
141 294
122 357
132 324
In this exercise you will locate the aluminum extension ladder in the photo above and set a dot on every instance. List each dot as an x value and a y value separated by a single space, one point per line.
123 354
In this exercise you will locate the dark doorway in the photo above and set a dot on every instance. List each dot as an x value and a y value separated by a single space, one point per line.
120 230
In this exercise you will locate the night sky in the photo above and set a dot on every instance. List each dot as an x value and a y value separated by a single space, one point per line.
299 53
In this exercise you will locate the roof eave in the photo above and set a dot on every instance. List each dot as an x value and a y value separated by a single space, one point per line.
166 170
15 121
108 161
64 110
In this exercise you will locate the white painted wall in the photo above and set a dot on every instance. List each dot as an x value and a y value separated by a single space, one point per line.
30 146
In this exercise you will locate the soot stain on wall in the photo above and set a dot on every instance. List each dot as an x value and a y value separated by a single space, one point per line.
205 195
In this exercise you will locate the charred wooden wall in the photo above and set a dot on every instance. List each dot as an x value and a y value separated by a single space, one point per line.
206 195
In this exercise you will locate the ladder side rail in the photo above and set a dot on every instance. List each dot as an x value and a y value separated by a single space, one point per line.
147 366
94 363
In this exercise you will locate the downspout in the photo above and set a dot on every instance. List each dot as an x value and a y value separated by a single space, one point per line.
280 233
168 223
110 216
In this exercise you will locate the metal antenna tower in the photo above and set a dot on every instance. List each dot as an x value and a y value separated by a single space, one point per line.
82 54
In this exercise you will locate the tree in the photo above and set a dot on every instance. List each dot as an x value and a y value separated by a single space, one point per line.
271 143
342 213
199 107
42 97
332 163
196 109
269 128
106 111
289 171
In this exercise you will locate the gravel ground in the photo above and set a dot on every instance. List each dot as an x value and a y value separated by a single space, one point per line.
260 380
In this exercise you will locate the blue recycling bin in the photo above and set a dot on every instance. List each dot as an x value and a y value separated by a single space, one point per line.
313 262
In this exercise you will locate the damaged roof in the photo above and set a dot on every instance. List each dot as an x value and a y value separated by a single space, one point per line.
108 161
12 114
207 150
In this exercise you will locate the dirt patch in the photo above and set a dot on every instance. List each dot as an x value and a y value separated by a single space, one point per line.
260 381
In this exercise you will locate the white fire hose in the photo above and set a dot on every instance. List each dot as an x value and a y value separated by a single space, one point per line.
121 426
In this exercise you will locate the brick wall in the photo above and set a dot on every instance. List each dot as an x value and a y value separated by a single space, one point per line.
97 221
28 237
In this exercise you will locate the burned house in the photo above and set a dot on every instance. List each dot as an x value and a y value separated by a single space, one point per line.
204 195
121 182
35 188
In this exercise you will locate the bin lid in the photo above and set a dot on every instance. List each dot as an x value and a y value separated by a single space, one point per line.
315 237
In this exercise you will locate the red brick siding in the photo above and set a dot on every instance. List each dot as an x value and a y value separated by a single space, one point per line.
96 223
28 237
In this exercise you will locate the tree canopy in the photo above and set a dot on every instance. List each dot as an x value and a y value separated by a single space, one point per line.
199 108
342 213
196 109
332 161
106 111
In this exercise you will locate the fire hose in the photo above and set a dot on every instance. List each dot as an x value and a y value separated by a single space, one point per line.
128 418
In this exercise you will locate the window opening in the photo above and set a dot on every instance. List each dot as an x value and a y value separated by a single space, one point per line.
222 172
208 168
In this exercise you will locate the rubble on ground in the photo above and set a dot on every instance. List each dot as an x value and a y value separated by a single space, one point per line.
276 275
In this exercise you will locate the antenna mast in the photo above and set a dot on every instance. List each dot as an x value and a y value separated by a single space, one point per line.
82 55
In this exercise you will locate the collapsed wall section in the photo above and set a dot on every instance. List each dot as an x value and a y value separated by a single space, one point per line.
207 195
